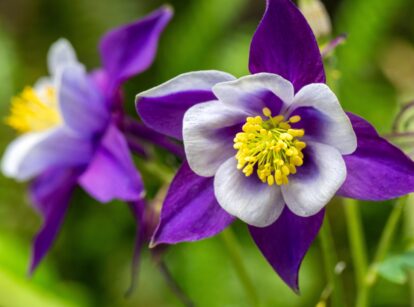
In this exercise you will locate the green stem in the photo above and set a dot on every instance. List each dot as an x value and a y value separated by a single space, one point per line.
233 249
382 250
409 237
330 259
356 240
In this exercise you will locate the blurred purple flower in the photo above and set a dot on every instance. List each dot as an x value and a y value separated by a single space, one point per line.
72 126
284 124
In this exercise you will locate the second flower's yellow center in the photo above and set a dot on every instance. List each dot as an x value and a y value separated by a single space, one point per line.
32 111
271 147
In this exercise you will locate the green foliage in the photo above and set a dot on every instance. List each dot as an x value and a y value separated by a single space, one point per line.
361 87
395 268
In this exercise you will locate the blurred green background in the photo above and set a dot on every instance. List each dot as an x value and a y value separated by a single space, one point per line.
373 74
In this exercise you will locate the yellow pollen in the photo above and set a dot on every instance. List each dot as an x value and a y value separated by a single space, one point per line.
271 147
33 111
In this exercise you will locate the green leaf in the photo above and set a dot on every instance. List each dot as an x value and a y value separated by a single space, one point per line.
395 268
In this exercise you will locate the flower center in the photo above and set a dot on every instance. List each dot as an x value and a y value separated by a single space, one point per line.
32 111
271 146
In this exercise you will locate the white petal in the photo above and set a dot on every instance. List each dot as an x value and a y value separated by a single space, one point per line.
208 132
247 92
337 128
17 151
61 54
197 80
34 153
247 198
316 182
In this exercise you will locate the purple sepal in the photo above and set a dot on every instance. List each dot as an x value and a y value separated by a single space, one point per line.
165 114
285 45
285 243
377 170
50 194
190 211
81 103
128 50
111 173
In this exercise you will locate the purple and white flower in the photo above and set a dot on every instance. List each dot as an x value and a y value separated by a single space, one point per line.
271 148
72 127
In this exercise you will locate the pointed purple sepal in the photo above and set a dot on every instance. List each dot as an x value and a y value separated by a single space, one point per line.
50 193
190 211
377 170
285 243
129 50
111 174
284 44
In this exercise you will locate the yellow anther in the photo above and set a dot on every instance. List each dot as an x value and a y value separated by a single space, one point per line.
270 180
278 177
270 148
278 119
286 136
284 125
296 132
266 112
300 145
297 161
294 119
285 170
34 111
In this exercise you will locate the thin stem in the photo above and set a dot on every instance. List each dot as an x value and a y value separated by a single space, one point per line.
330 260
233 249
356 240
408 236
382 250
174 286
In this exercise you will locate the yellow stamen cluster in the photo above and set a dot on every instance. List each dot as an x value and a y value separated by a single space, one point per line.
271 147
31 111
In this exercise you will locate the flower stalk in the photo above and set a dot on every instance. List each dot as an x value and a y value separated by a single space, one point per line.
356 240
382 250
230 241
330 260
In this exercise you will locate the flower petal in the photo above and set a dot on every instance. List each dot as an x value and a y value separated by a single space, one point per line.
50 193
190 211
16 152
253 93
285 243
327 123
162 108
285 45
377 170
130 49
247 198
111 173
61 54
209 129
316 182
33 153
82 106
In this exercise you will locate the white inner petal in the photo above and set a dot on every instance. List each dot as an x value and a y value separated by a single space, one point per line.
205 144
337 128
247 198
316 182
